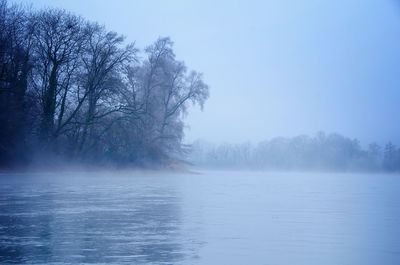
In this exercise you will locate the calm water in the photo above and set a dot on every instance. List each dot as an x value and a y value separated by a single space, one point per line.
209 218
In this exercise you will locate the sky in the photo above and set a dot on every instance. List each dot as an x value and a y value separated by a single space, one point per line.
275 68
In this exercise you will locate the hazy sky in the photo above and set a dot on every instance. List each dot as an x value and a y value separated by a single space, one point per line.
275 67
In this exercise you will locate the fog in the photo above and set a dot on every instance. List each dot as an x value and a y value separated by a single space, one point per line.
230 73
275 68
199 132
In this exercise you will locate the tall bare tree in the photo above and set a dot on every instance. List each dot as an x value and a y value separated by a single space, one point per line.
104 57
58 39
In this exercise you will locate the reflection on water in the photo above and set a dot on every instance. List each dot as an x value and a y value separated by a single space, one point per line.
211 218
82 222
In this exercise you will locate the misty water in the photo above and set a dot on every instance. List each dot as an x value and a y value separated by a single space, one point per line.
206 218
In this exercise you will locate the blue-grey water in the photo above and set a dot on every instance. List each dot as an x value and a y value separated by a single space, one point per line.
207 218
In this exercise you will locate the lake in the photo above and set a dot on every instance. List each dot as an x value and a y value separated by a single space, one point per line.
213 217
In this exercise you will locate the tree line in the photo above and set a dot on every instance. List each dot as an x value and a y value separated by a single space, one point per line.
71 89
322 152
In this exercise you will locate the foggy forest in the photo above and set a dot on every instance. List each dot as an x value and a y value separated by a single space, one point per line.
322 152
72 90
200 132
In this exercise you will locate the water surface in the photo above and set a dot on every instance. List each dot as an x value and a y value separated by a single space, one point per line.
207 218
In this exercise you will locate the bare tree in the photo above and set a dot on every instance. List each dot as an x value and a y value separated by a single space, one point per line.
104 57
58 42
167 91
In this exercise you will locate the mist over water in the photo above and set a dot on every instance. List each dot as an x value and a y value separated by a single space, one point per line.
209 218
199 132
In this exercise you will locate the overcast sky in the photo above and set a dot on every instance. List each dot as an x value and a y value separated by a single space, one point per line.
275 68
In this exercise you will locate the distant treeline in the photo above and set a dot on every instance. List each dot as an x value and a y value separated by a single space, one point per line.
71 89
331 152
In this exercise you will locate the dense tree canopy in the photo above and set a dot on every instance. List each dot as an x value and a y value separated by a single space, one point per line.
71 89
